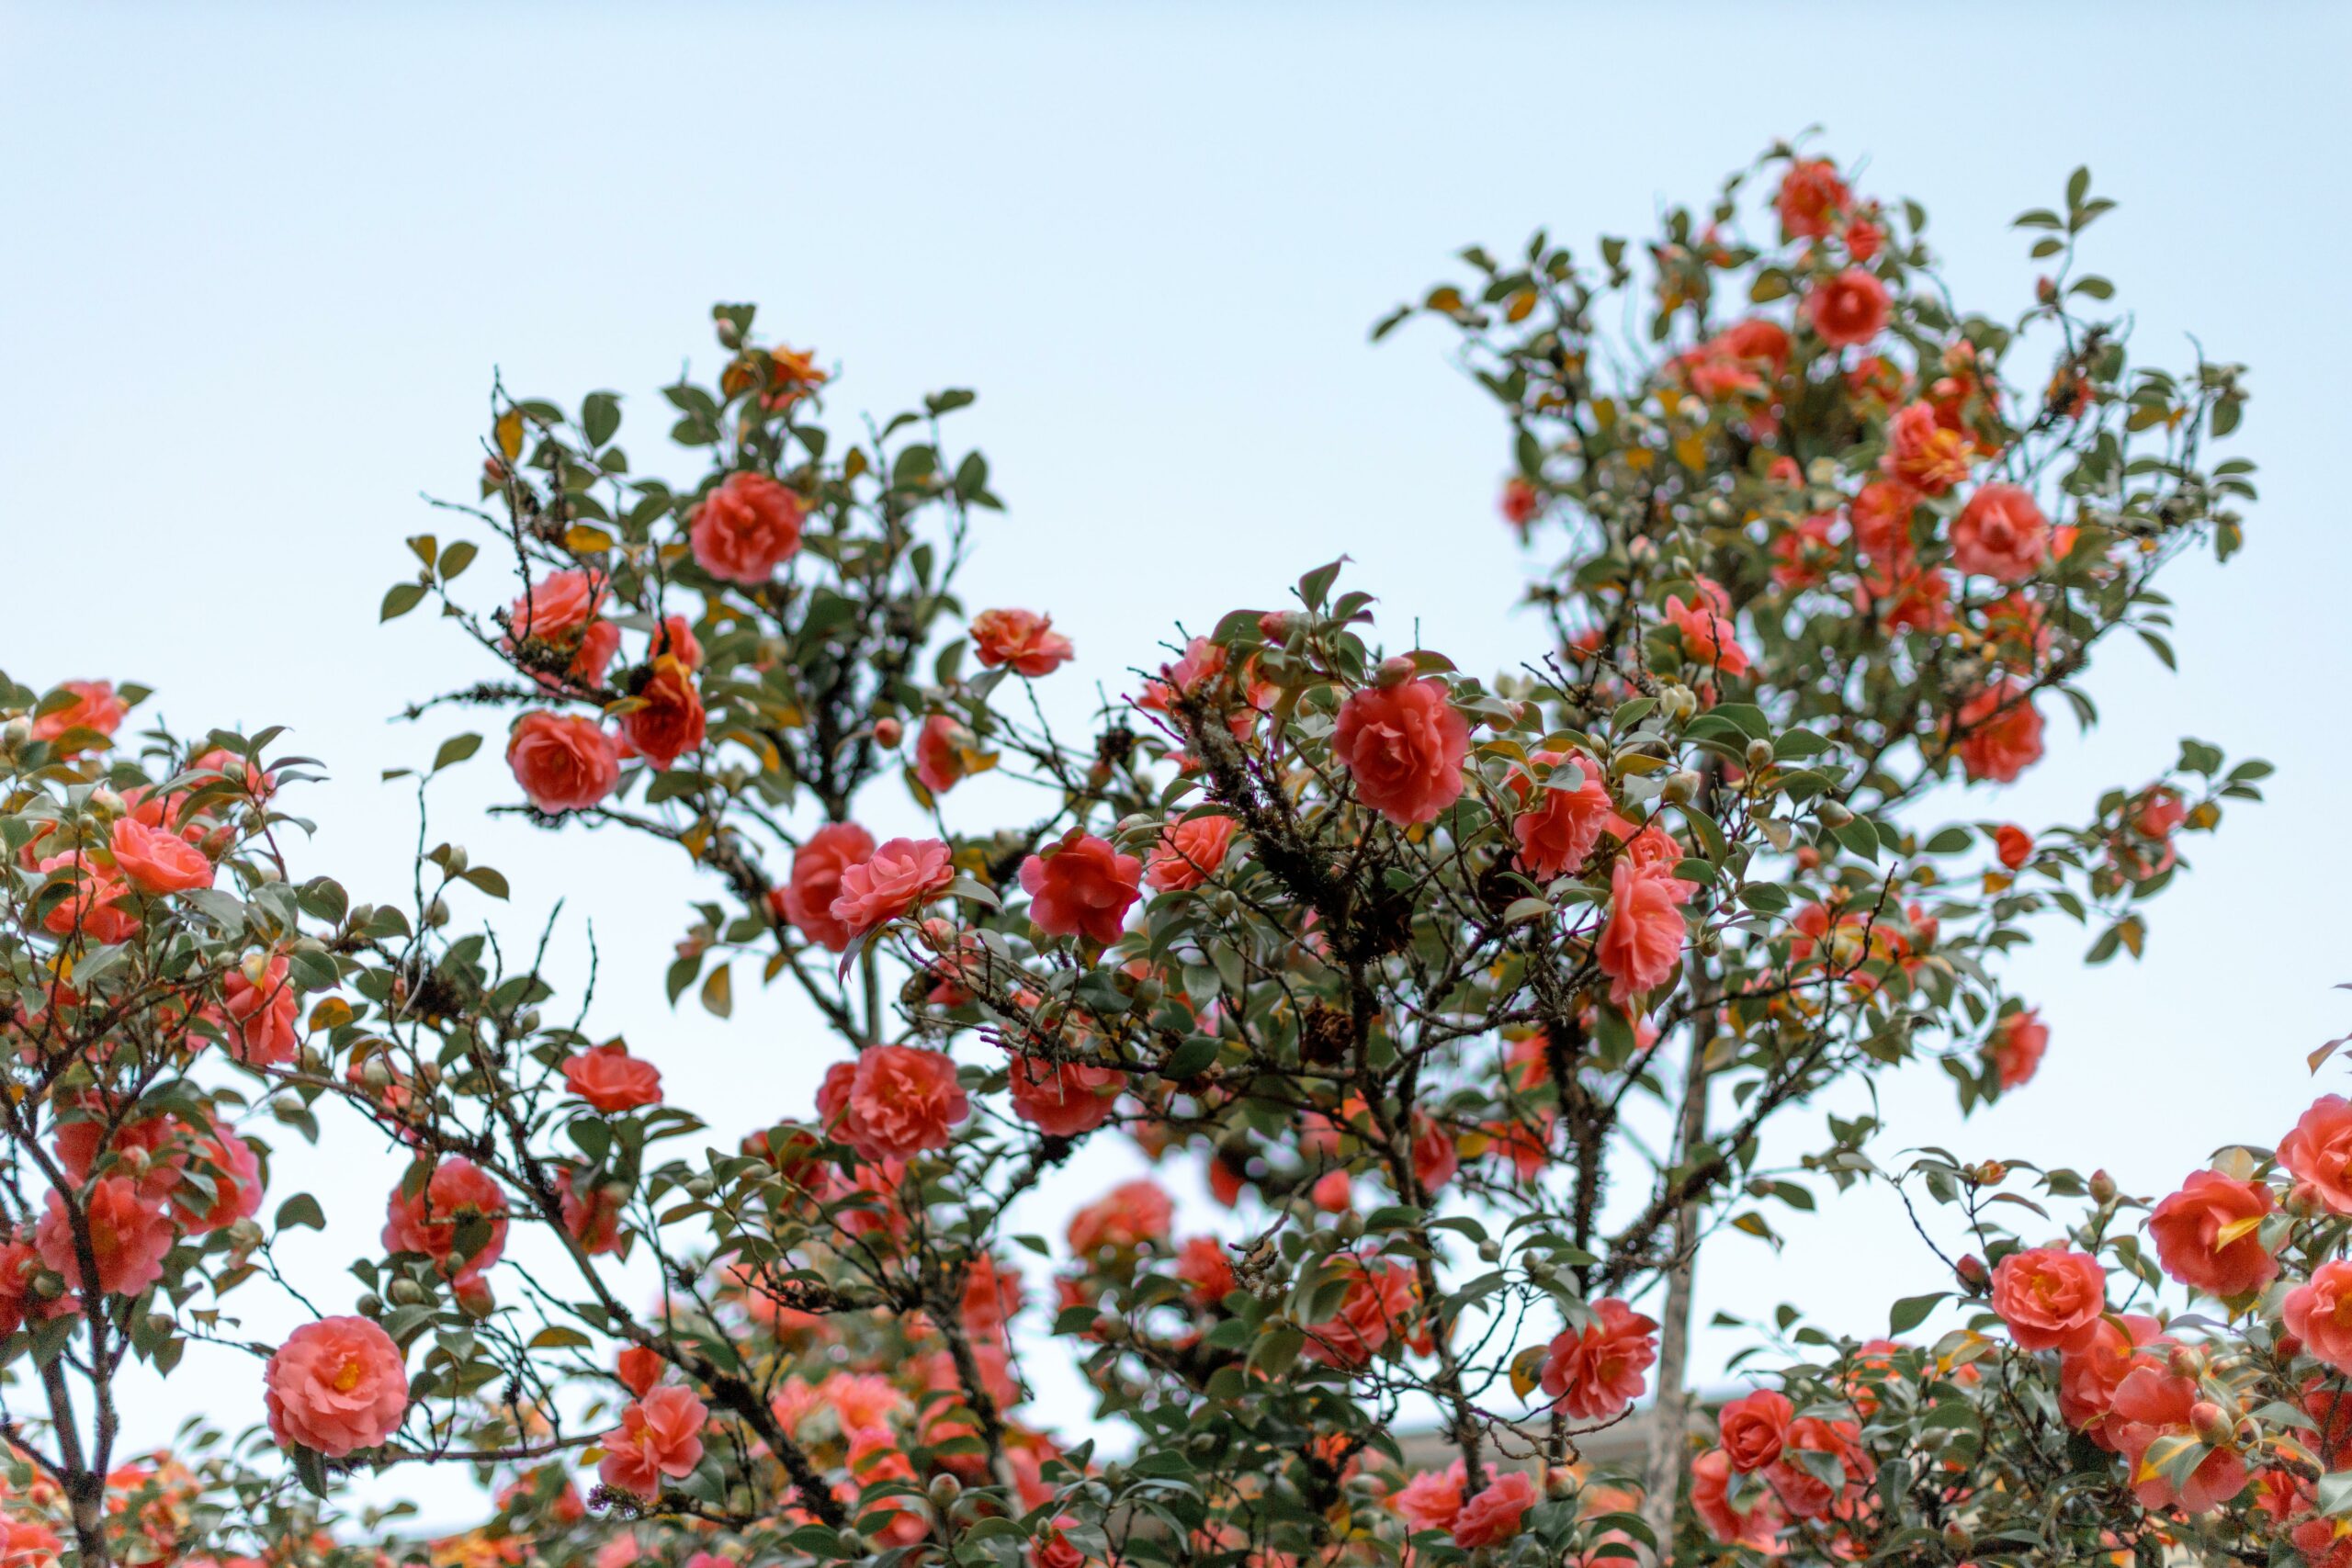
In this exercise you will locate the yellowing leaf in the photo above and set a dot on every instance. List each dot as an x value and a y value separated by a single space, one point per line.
1527 1370
1522 305
509 431
586 539
332 1012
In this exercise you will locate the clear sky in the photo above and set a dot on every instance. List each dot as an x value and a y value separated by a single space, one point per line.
257 266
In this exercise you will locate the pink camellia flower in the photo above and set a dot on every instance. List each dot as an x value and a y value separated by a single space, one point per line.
1064 1099
1431 1499
2318 1312
1376 1310
1643 940
557 604
1082 886
675 637
1189 851
1881 513
611 1079
1436 1159
1799 1490
563 761
660 1435
260 1004
129 1233
1493 1515
1023 638
940 748
94 706
1404 746
2013 845
1759 1527
2208 1234
1754 1427
895 881
638 1367
1129 1215
746 528
807 897
1596 1373
2151 1403
2089 1377
1704 625
1847 309
592 1218
1923 452
2000 733
2019 1040
896 1101
2317 1152
669 720
1519 504
155 860
336 1385
428 1223
1810 198
94 905
236 1173
2000 534
1556 828
2051 1297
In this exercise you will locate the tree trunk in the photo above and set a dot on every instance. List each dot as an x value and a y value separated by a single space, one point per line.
1669 1444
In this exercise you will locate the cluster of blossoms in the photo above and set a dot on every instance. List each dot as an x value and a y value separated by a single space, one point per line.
1402 963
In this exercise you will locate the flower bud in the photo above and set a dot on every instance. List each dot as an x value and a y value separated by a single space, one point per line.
1683 787
15 733
1971 1272
1832 815
407 1292
436 914
1490 1251
371 1306
944 1489
2184 1361
1760 753
106 805
888 732
454 860
1394 670
2102 1187
2212 1426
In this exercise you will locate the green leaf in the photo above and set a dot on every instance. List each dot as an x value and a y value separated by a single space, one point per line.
1911 1312
456 750
301 1212
600 416
403 598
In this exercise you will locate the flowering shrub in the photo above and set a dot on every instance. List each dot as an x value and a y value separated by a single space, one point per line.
1408 963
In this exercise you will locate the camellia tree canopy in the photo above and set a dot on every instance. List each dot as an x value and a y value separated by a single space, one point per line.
1483 1004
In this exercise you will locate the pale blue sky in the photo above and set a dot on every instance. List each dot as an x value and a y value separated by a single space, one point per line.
258 264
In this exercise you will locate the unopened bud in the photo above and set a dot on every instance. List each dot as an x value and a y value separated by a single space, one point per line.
1490 1251
1394 670
887 733
2184 1361
944 1489
2102 1186
15 733
1971 1272
455 860
527 1021
371 1306
407 1292
436 914
1957 1540
1832 815
2210 1425
106 805
1760 753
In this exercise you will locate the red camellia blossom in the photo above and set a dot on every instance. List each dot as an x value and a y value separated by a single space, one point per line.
2088 1376
456 1193
2013 844
2000 534
660 1435
895 880
2317 1152
2049 1296
1596 1373
1759 1527
1129 1215
807 897
1557 827
337 1385
2208 1237
563 761
1754 1427
558 603
939 754
156 862
1643 940
1404 746
592 1218
1082 886
260 1007
2000 733
2019 1040
1925 453
1064 1099
94 903
1376 1310
746 528
638 1367
611 1079
1704 625
1810 199
1493 1515
129 1233
94 706
669 721
236 1173
1202 1263
1848 309
2153 1404
1023 638
896 1101
1519 504
1800 1489
1431 1499
1189 852
2318 1312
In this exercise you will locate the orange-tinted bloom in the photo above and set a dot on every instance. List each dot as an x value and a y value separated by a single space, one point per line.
2000 733
2318 1152
746 528
660 1435
611 1079
1596 1372
2051 1297
895 880
336 1385
895 1101
1403 745
1082 886
563 761
2208 1234
807 897
1847 309
155 860
1021 638
1189 852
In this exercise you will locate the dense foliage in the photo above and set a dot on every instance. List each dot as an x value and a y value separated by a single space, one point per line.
1484 1004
